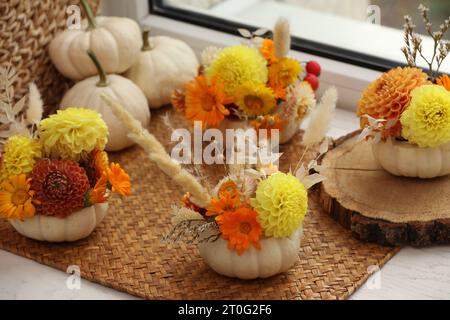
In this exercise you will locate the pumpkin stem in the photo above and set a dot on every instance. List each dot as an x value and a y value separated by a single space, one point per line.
103 82
146 43
89 14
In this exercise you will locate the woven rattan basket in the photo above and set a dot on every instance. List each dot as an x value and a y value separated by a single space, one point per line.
26 29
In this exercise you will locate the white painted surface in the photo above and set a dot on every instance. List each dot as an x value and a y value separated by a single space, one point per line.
411 274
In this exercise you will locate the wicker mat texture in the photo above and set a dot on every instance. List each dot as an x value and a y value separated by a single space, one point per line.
126 253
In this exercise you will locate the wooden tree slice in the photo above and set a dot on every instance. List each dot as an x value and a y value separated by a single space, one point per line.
379 207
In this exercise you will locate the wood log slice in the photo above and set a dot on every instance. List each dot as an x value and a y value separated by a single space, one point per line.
379 207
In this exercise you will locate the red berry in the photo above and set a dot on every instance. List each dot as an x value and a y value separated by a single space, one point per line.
314 68
312 80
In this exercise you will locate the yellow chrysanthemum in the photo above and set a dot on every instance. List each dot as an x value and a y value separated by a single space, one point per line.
281 203
73 133
255 99
426 121
20 155
237 65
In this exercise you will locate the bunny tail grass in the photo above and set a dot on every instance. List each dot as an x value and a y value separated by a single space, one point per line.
282 38
321 117
158 154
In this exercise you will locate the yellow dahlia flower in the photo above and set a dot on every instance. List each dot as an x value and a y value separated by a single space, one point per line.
237 65
281 203
255 99
73 133
426 121
20 155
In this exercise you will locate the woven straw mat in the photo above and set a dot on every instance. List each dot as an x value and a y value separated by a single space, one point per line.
126 252
26 29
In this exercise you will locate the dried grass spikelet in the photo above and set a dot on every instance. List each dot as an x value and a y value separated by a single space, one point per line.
35 105
320 120
158 154
282 38
184 214
388 96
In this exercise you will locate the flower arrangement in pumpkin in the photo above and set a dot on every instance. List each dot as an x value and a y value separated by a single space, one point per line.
54 166
253 202
409 104
255 81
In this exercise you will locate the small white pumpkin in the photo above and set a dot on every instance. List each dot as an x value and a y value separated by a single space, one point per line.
276 256
87 94
164 64
77 226
401 158
115 41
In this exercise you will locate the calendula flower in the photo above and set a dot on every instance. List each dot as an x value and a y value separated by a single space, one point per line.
426 121
178 100
268 51
100 163
226 203
282 74
19 156
281 203
228 187
444 81
98 194
206 103
73 133
268 122
236 65
16 198
60 187
241 229
255 99
119 180
387 97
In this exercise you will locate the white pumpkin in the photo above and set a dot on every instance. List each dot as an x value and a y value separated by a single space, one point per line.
401 158
164 64
115 41
77 226
276 256
87 94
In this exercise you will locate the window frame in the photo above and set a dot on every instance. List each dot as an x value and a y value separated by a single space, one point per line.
298 44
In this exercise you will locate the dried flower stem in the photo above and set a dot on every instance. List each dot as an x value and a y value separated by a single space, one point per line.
158 154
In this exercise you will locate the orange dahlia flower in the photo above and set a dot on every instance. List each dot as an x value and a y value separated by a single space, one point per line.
387 97
206 103
241 229
60 186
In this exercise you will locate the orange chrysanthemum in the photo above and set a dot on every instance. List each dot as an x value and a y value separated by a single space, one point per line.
444 81
387 97
268 51
119 180
60 187
269 123
227 202
206 103
98 193
241 229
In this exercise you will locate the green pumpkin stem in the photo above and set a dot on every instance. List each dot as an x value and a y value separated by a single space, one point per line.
89 14
146 43
103 82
